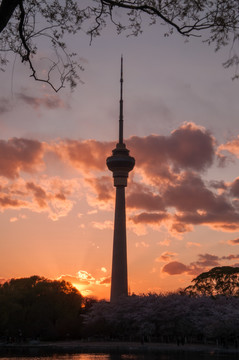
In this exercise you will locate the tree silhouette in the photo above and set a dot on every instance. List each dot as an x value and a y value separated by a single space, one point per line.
221 280
43 309
24 23
36 307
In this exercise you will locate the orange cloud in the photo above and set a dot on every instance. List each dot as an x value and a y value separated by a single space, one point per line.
10 203
50 195
87 284
18 155
103 187
141 244
105 281
103 225
173 193
166 256
190 244
85 155
39 194
231 146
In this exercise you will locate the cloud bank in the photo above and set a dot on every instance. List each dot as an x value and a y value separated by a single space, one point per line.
204 263
167 187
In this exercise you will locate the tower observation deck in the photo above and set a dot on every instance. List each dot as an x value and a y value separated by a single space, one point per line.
120 163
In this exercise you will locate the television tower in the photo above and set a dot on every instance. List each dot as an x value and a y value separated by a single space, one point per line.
120 163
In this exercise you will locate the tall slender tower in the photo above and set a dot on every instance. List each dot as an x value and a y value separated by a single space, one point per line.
120 163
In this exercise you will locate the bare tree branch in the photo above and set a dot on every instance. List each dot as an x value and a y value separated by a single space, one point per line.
216 21
27 56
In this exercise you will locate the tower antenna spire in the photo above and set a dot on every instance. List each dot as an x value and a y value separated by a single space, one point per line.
121 104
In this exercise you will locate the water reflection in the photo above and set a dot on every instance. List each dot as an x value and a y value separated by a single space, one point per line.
158 356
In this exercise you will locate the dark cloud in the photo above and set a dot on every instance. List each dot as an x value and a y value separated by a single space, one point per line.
204 263
234 242
105 281
188 147
199 205
43 196
60 196
103 186
50 196
48 101
5 105
206 260
191 147
166 256
149 218
140 197
175 268
7 202
85 155
220 185
18 155
181 227
225 220
160 157
39 194
235 188
169 165
230 257
222 160
192 200
190 194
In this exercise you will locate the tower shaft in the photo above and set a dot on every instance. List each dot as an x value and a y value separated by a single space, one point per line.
120 163
119 277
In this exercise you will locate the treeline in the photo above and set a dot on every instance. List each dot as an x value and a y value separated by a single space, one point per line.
42 309
174 317
38 308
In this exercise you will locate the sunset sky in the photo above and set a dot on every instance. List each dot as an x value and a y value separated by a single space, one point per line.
181 125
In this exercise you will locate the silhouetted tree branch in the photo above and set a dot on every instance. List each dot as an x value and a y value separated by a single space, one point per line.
220 280
216 20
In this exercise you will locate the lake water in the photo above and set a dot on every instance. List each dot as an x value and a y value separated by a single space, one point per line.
159 356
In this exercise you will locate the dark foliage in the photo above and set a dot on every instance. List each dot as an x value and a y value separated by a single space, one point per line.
167 318
221 280
39 308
